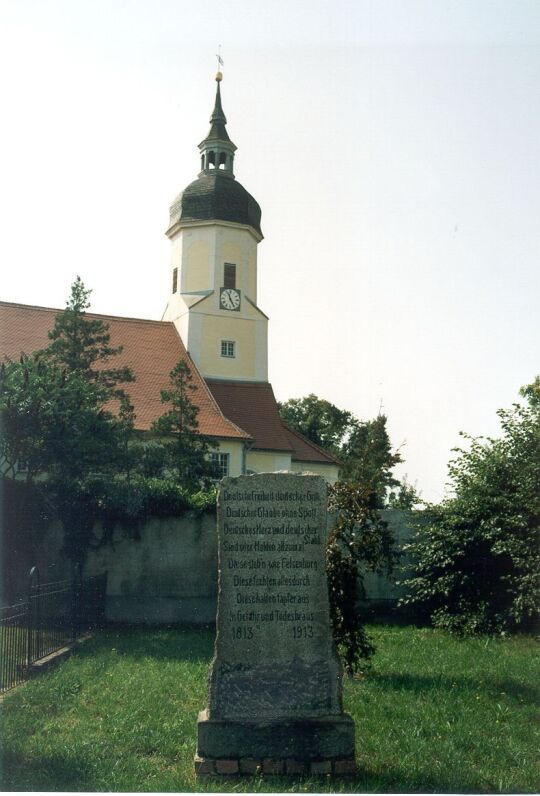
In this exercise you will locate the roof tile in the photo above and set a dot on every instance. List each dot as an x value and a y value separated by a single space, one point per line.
307 451
253 405
150 348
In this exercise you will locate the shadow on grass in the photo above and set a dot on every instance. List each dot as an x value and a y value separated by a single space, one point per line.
492 687
166 644
45 773
60 773
366 780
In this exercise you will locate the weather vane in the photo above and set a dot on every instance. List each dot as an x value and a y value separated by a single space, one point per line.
219 76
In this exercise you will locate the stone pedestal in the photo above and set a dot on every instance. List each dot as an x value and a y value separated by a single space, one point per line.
275 685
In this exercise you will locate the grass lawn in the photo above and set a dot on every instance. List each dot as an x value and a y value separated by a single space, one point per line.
436 714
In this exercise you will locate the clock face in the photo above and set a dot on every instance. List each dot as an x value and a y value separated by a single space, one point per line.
229 298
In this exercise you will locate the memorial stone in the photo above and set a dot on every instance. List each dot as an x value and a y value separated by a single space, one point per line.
275 684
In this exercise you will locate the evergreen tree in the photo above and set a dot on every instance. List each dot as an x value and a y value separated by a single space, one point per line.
65 415
185 451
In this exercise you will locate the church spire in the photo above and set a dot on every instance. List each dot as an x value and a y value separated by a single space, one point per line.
217 149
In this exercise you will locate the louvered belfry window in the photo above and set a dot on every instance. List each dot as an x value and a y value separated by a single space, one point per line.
229 275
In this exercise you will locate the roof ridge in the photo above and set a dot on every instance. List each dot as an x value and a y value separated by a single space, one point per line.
243 382
311 443
92 314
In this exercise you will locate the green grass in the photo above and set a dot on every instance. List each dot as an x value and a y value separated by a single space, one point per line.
436 714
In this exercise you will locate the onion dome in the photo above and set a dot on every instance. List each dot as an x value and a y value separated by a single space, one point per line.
216 195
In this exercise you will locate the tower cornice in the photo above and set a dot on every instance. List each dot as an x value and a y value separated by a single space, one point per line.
178 225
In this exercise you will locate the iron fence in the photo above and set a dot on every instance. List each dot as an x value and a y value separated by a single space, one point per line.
52 615
13 644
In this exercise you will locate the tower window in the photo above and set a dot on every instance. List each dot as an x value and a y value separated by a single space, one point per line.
222 160
229 275
174 280
221 463
227 348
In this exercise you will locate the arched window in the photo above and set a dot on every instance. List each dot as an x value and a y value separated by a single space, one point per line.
211 160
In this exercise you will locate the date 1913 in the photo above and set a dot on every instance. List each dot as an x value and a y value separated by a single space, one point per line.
302 631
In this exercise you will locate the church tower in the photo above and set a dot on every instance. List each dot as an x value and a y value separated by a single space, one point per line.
214 229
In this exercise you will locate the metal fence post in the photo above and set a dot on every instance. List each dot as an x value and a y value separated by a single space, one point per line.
76 598
32 615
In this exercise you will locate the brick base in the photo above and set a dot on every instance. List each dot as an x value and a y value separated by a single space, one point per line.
207 767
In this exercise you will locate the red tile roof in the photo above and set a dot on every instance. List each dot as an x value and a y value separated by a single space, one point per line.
253 405
307 451
150 348
227 409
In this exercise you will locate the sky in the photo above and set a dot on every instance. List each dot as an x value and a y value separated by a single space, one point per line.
393 147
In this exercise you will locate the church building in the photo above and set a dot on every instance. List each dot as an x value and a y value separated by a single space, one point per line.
212 321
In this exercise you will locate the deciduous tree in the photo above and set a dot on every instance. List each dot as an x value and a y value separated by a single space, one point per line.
318 420
477 561
362 446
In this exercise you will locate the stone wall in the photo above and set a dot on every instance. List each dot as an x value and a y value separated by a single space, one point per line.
166 575
169 574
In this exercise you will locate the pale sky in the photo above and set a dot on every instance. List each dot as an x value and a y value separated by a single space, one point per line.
394 148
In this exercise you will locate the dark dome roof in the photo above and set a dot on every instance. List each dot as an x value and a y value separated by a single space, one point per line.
216 197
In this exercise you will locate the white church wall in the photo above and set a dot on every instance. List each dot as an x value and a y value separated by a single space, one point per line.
329 472
235 450
267 461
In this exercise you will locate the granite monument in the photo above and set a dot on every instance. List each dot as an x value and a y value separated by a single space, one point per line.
275 684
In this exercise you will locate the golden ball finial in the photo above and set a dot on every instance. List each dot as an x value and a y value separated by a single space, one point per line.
219 77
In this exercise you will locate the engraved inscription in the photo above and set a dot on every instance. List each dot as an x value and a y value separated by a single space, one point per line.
274 649
267 537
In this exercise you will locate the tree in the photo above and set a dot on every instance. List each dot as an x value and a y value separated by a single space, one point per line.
82 345
319 421
368 457
360 540
477 558
363 447
405 496
28 392
56 409
185 451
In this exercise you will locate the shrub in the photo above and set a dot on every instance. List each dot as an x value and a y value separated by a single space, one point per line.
477 559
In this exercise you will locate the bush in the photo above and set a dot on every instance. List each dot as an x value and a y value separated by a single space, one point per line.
477 559
128 504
